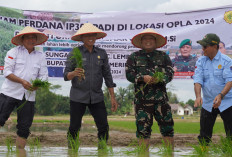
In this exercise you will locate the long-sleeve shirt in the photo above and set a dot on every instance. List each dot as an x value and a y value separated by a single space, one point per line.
141 63
96 67
27 66
213 76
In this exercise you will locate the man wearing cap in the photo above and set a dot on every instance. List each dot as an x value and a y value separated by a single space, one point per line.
22 64
150 95
185 62
213 74
86 90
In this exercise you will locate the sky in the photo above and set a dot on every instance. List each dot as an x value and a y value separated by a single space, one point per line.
94 6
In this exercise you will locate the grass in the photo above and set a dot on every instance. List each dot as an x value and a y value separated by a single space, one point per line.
180 127
188 125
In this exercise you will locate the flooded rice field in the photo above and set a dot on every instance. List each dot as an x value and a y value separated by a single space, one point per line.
88 151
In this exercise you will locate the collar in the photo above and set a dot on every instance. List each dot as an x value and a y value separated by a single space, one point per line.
85 50
144 52
218 55
24 49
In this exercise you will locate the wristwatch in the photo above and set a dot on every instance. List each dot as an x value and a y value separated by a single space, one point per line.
222 95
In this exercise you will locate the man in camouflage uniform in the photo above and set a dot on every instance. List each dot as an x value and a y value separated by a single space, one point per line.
150 95
185 62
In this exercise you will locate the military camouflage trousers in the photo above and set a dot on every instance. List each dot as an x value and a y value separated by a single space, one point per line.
144 119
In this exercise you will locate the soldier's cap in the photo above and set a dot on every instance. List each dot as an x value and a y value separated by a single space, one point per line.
185 42
209 39
160 40
88 28
40 37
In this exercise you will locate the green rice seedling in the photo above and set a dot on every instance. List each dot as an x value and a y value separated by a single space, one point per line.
40 83
139 149
165 149
104 148
77 56
73 144
9 144
157 75
34 144
223 148
202 149
35 83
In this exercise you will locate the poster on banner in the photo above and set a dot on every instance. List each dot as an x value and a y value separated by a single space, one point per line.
181 30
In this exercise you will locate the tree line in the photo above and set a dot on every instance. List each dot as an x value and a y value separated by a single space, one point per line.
49 103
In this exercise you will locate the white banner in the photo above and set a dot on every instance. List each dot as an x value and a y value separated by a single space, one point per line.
120 28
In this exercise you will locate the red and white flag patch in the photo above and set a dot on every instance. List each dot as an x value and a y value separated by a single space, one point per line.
10 57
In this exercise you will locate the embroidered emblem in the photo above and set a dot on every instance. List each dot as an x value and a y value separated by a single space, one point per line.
219 66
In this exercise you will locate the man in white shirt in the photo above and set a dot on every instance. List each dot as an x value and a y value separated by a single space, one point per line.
22 64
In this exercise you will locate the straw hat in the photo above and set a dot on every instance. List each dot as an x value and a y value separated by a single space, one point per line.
160 40
41 38
88 28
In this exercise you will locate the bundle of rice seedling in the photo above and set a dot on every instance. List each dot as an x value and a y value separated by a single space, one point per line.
157 75
77 56
36 83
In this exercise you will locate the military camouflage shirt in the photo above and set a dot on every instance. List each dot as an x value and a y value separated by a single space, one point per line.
184 64
141 63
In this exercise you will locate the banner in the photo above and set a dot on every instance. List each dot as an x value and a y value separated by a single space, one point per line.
120 28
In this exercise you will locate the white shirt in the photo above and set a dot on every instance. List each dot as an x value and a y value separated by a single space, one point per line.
25 66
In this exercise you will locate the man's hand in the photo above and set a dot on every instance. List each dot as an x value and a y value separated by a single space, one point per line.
149 79
78 72
114 104
217 101
26 85
198 102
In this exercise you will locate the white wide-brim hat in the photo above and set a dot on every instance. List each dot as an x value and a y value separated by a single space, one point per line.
160 40
41 37
88 28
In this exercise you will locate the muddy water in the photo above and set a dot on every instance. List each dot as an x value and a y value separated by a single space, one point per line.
87 151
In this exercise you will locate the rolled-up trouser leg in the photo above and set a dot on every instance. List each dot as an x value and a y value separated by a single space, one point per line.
25 117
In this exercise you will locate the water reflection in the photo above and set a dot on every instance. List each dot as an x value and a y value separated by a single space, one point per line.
87 151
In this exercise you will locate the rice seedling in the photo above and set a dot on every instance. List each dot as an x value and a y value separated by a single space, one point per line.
202 149
34 144
159 76
165 149
77 56
139 149
9 144
223 148
73 143
37 83
103 148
